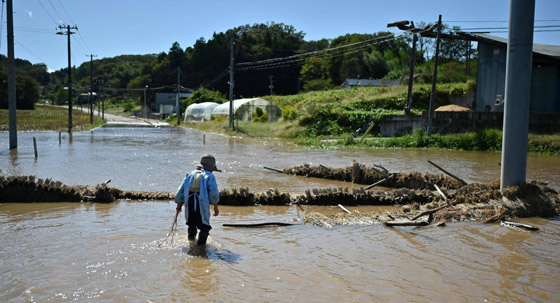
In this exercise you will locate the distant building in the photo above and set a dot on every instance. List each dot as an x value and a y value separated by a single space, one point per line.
84 98
491 78
163 99
350 83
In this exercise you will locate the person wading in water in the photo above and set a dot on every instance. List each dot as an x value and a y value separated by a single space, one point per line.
198 190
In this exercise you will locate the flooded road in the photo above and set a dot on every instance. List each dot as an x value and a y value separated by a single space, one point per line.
62 252
150 159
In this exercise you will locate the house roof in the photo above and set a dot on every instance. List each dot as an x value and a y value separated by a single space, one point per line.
542 49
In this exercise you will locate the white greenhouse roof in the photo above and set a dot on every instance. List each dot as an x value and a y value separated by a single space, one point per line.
198 111
223 109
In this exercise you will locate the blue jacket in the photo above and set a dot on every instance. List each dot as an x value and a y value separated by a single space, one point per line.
209 193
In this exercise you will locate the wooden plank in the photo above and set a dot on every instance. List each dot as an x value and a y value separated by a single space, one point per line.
448 173
274 169
344 209
520 225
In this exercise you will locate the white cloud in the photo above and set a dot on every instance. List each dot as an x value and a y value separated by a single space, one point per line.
30 13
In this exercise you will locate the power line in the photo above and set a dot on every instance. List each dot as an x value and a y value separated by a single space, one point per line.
65 12
480 28
55 11
494 21
311 53
47 12
29 51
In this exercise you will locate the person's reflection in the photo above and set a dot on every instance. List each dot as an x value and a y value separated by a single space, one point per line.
199 273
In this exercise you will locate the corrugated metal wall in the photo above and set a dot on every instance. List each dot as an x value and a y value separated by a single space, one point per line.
491 75
545 83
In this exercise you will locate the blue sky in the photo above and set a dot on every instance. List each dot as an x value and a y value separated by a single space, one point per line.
108 28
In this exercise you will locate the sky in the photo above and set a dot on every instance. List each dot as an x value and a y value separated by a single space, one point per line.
108 28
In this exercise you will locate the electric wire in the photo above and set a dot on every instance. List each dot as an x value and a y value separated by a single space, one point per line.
65 12
494 21
29 51
311 53
294 61
218 77
47 12
55 11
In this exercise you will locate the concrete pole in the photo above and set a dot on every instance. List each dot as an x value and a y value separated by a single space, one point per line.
433 95
231 61
11 77
519 64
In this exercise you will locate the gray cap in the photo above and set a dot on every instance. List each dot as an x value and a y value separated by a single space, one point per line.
208 162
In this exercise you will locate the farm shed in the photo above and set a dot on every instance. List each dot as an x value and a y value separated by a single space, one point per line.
491 78
244 109
200 112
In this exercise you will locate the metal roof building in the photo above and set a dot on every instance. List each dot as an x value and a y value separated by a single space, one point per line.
545 82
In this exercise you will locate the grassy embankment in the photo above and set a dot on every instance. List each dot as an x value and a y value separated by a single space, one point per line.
310 118
48 118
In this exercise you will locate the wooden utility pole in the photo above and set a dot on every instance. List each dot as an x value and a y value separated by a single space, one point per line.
68 33
231 61
433 95
177 103
11 77
411 73
91 89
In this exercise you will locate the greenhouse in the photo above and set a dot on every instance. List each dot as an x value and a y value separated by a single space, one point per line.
199 112
244 108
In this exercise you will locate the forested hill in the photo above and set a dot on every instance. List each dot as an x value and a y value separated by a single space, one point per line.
307 65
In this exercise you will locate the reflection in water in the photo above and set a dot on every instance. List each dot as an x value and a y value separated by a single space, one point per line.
109 252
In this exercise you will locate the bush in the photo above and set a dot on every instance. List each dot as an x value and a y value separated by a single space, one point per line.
127 107
259 115
289 113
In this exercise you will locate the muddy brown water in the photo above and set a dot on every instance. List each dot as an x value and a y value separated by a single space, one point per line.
85 252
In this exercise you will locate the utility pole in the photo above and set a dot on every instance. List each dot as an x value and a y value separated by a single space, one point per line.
519 62
411 73
145 109
91 89
11 77
468 70
177 103
68 33
271 86
433 95
231 82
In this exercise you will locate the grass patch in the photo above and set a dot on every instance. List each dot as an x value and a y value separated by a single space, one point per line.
45 117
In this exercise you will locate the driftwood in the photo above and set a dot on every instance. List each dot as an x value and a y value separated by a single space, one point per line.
367 131
383 171
495 217
407 223
323 166
513 224
344 209
259 224
274 169
431 211
448 173
377 183
441 193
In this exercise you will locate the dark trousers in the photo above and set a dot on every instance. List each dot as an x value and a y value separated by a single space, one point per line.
195 220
